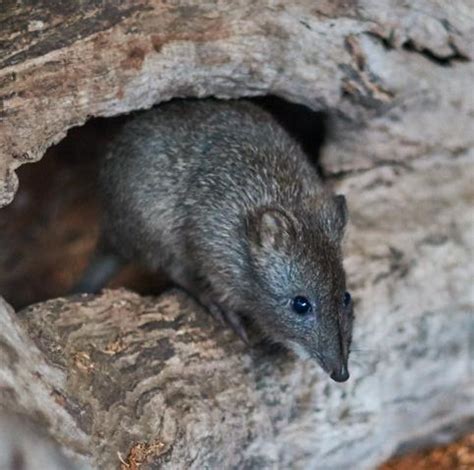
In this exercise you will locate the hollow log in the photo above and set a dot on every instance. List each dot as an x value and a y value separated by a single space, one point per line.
156 381
120 380
396 78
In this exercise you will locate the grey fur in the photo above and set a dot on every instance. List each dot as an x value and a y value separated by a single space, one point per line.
221 198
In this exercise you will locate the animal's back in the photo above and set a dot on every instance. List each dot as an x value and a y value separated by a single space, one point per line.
223 199
188 168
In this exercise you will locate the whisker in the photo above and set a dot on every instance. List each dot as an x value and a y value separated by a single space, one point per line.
364 350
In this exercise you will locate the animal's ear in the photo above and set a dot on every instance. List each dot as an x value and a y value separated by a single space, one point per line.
271 228
335 215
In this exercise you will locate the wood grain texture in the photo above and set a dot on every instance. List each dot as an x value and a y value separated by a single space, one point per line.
387 72
121 380
32 404
156 381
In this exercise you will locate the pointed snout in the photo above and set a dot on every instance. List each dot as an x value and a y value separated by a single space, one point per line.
337 369
340 374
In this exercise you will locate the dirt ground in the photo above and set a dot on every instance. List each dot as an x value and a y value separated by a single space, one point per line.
49 231
456 456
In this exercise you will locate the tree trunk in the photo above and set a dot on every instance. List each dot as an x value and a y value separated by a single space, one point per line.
120 380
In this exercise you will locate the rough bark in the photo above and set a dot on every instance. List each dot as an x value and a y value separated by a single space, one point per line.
24 446
32 405
383 67
155 381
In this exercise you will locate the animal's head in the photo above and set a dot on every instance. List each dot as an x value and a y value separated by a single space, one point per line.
302 300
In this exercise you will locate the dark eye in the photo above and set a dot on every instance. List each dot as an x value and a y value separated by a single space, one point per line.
301 305
347 299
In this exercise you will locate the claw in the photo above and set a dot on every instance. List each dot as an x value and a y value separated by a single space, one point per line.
217 314
230 319
235 322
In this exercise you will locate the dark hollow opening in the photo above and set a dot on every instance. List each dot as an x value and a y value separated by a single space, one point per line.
49 231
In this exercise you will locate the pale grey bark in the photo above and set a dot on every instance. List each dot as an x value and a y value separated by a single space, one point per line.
158 372
33 404
400 74
123 377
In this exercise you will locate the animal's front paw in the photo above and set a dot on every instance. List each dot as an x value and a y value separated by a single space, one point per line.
231 319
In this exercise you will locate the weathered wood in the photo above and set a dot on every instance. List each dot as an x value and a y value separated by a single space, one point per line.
156 380
32 402
384 68
121 377
24 446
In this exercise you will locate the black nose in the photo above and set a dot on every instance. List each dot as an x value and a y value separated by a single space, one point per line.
340 375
